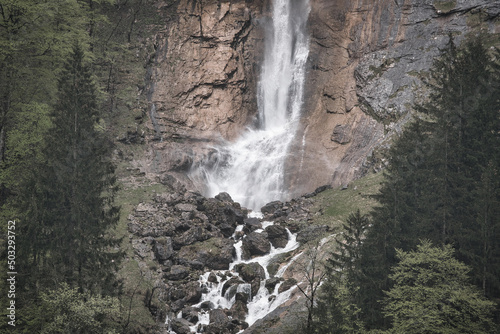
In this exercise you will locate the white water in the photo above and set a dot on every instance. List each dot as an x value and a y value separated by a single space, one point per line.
251 169
259 306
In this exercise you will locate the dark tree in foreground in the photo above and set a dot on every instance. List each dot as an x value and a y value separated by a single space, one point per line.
73 208
442 181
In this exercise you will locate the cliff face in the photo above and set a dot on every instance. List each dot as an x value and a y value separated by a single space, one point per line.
202 82
366 60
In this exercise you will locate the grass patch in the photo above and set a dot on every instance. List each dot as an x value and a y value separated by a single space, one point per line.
333 206
445 6
135 285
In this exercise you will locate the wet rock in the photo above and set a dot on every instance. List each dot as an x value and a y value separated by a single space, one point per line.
341 134
277 235
255 244
271 207
208 305
252 273
163 249
287 284
177 272
180 326
251 224
176 294
271 283
190 314
212 278
219 322
232 285
239 310
224 197
192 292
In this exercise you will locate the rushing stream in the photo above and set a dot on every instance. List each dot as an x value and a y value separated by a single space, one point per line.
251 169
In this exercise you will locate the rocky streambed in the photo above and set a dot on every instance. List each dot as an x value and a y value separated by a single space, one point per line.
216 266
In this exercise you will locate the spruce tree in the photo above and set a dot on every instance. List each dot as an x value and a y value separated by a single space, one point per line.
432 294
74 208
442 180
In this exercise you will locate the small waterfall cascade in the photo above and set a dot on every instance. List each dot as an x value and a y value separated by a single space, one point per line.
263 302
251 169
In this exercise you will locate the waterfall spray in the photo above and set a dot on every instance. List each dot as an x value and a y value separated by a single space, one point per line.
251 169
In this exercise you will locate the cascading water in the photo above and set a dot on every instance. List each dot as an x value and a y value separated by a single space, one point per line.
251 170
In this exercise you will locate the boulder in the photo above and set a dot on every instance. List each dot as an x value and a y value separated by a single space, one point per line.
271 283
287 284
177 273
219 322
163 249
255 244
251 224
311 232
277 235
252 273
224 197
180 326
271 207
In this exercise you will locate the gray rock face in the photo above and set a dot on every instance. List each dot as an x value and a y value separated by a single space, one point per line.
163 249
180 326
177 272
255 244
277 235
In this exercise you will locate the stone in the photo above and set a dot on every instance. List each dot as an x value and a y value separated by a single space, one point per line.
341 134
255 244
224 197
271 207
277 235
219 322
252 273
177 272
251 224
186 207
163 249
311 232
287 284
271 283
180 326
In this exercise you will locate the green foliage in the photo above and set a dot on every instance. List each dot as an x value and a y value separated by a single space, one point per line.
442 180
337 310
432 294
68 311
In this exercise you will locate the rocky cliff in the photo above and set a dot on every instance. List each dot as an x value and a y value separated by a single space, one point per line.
203 79
366 60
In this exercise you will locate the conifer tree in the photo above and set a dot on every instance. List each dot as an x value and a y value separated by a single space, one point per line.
74 206
442 181
432 294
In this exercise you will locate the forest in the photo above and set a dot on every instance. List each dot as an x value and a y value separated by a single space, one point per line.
426 259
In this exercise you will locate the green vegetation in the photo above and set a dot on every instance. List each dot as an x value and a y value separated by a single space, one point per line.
440 185
337 204
445 6
71 76
432 294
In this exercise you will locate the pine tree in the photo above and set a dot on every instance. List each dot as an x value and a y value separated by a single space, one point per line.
74 207
442 180
432 294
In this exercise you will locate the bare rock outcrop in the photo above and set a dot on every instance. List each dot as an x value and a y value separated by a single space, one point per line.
366 60
202 81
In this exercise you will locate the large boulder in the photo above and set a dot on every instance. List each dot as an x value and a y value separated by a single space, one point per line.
277 235
163 249
219 322
214 253
180 326
177 273
251 224
252 273
255 244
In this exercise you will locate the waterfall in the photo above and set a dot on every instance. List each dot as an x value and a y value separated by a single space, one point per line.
251 169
